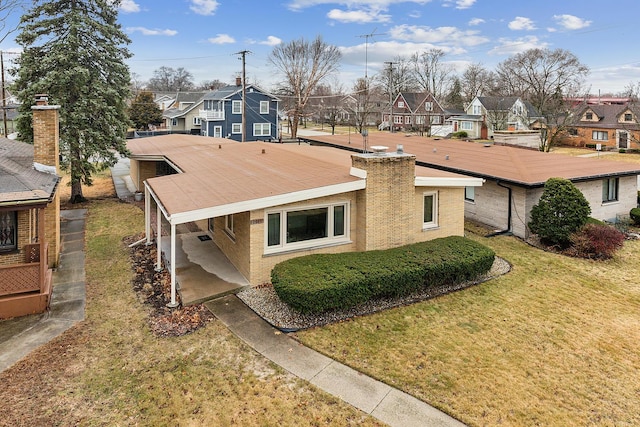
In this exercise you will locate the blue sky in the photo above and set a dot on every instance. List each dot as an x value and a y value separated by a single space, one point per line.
203 36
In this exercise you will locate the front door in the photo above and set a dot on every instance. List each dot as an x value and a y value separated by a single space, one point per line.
217 131
623 139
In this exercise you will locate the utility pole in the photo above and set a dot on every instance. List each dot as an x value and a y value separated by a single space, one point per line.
243 53
4 96
390 63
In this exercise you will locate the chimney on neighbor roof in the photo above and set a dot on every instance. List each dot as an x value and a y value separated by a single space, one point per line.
46 135
238 81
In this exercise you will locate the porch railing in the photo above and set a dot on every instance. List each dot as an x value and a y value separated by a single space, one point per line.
29 276
211 114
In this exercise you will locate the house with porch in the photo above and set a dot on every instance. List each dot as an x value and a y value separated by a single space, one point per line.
224 111
29 216
264 203
610 125
514 177
183 115
488 114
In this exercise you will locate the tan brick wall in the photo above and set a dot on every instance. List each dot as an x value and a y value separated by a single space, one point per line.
388 201
52 230
18 257
627 198
46 135
145 170
450 214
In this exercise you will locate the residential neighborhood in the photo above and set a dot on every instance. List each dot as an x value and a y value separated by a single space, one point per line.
403 213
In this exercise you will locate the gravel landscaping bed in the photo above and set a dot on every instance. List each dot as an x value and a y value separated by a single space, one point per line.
266 303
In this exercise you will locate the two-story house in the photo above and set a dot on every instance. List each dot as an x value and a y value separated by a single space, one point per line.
183 115
487 114
610 125
414 111
222 113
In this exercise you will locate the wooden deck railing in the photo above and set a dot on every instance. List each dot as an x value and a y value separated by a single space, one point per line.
27 277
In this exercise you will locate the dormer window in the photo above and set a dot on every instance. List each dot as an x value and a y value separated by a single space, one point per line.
628 117
588 116
400 104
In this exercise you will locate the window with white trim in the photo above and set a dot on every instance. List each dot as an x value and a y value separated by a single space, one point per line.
397 120
430 210
407 120
228 225
8 231
470 194
466 125
264 107
428 106
400 104
477 110
236 107
296 228
261 129
236 127
599 135
197 121
435 120
610 190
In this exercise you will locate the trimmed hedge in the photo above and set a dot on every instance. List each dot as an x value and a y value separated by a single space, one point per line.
635 215
322 282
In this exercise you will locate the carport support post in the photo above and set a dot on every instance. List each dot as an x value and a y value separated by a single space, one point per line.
173 302
158 239
147 217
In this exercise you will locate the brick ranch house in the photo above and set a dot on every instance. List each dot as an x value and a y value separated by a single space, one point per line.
263 203
29 216
514 177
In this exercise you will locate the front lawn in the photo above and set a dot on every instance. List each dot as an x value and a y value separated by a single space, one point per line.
554 342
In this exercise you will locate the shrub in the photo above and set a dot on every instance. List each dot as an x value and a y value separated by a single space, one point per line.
322 282
460 134
596 241
622 150
634 214
561 211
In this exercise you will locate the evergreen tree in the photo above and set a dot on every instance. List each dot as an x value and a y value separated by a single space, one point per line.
74 51
143 111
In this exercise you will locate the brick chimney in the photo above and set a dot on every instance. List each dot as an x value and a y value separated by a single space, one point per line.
46 133
46 158
388 203
238 81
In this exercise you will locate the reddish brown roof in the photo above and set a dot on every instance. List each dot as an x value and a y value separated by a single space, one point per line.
219 172
525 167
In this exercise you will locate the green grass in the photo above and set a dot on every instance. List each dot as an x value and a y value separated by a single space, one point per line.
111 370
554 342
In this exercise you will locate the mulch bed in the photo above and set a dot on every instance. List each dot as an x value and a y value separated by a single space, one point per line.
154 290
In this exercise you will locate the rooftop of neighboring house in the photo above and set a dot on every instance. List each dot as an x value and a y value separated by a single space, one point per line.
227 91
184 102
608 116
504 103
19 180
508 164
235 177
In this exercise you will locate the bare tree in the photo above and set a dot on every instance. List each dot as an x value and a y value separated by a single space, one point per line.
476 81
366 100
431 73
166 79
210 85
304 65
7 8
544 78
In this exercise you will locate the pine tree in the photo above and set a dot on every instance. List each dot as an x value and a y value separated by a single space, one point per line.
74 51
144 112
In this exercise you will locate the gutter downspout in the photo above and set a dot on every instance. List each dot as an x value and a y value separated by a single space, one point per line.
508 230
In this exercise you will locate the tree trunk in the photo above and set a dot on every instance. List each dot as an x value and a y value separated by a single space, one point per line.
294 125
76 193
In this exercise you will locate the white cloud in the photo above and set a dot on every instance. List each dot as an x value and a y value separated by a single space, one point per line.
476 21
271 41
129 6
204 7
358 16
570 22
513 46
415 14
356 4
444 35
521 23
221 39
151 32
464 4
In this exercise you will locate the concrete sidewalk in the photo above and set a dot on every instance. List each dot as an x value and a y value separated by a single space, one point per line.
22 335
377 399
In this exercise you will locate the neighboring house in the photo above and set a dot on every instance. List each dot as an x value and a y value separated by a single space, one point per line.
264 203
514 177
183 115
221 113
11 112
29 216
164 100
611 125
487 114
414 111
